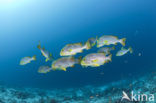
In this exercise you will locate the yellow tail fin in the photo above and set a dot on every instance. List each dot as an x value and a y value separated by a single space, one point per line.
34 57
123 41
88 46
130 50
110 57
95 41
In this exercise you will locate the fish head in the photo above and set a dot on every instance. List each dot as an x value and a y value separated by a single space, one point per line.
65 52
99 45
53 65
83 61
62 53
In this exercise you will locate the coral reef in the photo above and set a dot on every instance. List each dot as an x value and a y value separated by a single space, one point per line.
111 93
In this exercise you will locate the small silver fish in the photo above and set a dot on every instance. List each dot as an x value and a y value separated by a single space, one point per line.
95 59
45 53
124 51
106 50
73 49
27 60
108 40
65 62
44 69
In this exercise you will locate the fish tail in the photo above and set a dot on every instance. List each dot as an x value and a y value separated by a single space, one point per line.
123 41
130 50
88 46
34 57
110 57
39 45
96 38
98 44
94 42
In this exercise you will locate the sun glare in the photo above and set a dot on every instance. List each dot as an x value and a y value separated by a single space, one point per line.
7 4
6 1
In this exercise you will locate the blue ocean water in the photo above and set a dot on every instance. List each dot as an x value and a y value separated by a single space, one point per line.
56 23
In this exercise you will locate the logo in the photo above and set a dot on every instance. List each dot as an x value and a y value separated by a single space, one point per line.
137 97
125 96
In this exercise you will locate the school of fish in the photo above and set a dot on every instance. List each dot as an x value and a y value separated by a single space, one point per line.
105 44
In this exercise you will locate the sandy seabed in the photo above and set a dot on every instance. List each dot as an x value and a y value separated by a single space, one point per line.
111 93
